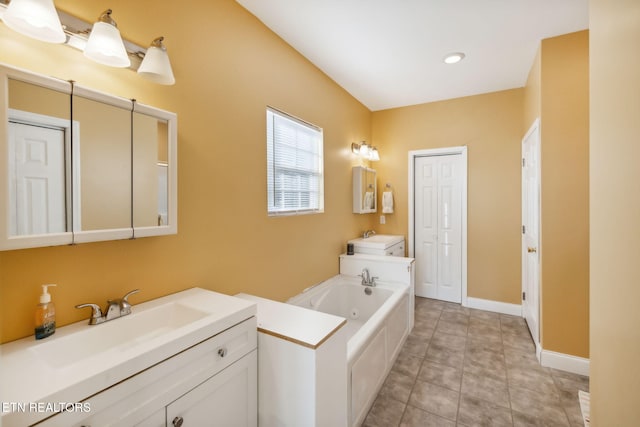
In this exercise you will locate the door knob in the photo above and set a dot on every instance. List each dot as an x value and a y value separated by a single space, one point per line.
177 421
532 250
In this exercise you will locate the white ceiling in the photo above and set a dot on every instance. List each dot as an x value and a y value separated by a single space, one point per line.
388 53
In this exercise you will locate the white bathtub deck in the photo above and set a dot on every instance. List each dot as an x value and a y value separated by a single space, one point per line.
352 327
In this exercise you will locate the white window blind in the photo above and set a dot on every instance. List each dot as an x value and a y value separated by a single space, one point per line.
295 182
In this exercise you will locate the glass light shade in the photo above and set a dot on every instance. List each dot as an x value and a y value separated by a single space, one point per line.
373 154
364 149
105 46
156 65
37 19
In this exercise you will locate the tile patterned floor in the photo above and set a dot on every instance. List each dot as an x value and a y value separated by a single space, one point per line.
466 367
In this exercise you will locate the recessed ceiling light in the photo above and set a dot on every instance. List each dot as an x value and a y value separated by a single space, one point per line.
453 58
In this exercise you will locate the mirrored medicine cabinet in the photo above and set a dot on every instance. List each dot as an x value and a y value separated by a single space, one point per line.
364 190
80 165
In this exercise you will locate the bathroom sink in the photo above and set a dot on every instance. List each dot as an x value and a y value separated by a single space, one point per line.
117 335
81 359
377 241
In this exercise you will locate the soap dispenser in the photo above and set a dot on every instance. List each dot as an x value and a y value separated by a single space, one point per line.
45 315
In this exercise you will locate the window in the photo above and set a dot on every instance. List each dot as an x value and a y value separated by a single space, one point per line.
295 182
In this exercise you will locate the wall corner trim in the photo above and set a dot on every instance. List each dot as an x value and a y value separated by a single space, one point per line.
564 362
495 306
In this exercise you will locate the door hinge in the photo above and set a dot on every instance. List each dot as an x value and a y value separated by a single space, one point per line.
524 296
524 230
523 162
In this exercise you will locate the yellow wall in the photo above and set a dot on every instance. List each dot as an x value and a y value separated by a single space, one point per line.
615 212
491 127
228 67
565 194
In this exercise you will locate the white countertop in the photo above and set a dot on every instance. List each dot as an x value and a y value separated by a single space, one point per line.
302 326
377 241
26 377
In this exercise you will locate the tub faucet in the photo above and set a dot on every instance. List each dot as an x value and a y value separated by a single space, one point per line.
367 280
115 308
368 234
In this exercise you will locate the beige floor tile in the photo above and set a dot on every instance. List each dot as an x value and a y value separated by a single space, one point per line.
478 412
414 417
435 399
538 404
442 375
385 412
416 344
537 380
397 386
407 364
439 354
486 388
452 328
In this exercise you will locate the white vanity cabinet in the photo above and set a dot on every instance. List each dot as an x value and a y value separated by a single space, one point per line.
226 399
189 359
380 244
212 383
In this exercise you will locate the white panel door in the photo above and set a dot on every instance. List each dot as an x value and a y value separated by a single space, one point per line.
531 230
37 173
438 226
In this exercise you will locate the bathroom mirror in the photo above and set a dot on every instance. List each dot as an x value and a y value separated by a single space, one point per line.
154 172
84 167
35 148
364 190
102 188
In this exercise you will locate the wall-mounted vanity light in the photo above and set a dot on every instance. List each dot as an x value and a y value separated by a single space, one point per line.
36 19
156 65
101 42
365 150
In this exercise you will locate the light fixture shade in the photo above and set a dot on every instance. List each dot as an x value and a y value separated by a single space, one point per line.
37 19
156 65
364 149
105 44
373 154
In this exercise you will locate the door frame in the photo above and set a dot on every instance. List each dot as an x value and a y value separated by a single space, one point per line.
535 126
459 150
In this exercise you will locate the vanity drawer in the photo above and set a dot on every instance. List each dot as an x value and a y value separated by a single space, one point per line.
141 396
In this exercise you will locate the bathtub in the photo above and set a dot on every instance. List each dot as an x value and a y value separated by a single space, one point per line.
377 326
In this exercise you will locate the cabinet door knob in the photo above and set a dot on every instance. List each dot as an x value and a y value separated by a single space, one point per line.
222 352
177 421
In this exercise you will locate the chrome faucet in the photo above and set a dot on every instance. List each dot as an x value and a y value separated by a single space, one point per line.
368 234
115 308
367 280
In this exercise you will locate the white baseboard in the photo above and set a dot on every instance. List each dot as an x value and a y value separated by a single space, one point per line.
564 362
495 306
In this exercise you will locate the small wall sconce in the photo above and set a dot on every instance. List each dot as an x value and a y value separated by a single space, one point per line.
100 42
365 151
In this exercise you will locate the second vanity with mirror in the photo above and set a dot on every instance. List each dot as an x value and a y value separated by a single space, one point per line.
82 166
